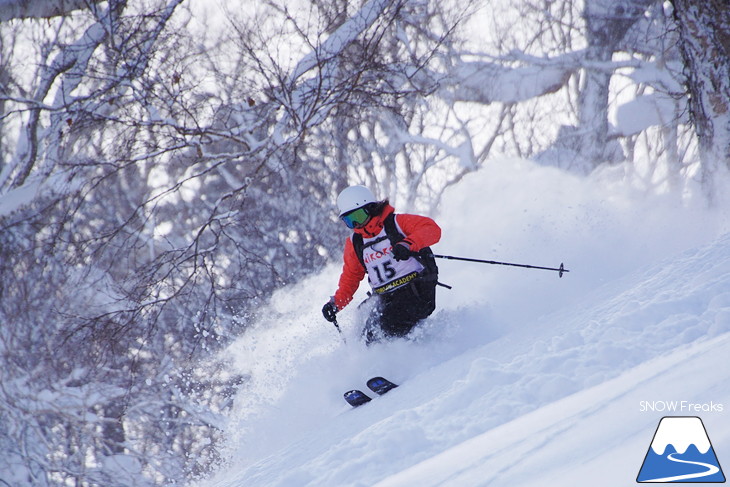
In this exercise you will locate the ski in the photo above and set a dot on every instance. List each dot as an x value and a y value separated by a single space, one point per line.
356 398
380 385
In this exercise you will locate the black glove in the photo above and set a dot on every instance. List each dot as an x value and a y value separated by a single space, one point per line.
402 251
329 311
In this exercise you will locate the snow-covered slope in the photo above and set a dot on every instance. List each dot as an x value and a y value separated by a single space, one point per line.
521 378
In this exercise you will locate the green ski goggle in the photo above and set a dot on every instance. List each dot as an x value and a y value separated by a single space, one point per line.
355 218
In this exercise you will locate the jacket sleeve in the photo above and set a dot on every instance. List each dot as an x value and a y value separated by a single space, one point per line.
352 273
420 231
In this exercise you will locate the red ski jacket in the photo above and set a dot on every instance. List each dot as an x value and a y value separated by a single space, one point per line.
420 232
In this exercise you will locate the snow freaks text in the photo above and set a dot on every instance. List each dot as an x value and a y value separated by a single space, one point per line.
682 407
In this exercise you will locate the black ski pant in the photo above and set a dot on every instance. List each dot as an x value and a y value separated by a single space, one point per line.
394 314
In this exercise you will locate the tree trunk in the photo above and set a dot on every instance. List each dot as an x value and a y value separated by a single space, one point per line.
704 40
593 111
113 429
607 22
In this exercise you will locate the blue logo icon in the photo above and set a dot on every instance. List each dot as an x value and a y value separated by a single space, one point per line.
681 452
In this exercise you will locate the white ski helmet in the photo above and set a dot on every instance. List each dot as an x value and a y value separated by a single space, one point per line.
353 198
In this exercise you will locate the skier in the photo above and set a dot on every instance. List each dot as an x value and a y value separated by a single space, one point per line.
393 250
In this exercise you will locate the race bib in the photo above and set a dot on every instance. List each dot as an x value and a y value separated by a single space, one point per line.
385 274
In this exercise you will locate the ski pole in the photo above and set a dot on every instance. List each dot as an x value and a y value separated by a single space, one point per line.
560 269
338 329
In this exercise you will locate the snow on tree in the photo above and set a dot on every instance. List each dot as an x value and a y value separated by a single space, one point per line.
582 53
39 9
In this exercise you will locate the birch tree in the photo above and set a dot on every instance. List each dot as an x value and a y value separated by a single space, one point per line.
704 32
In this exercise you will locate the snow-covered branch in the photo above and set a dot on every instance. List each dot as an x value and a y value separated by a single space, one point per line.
484 82
342 37
40 9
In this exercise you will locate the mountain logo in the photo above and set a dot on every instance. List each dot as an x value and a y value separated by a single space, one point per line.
681 452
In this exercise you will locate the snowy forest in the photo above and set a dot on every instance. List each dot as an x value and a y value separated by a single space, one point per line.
165 165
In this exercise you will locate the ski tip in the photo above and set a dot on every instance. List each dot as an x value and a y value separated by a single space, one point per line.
356 398
380 385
